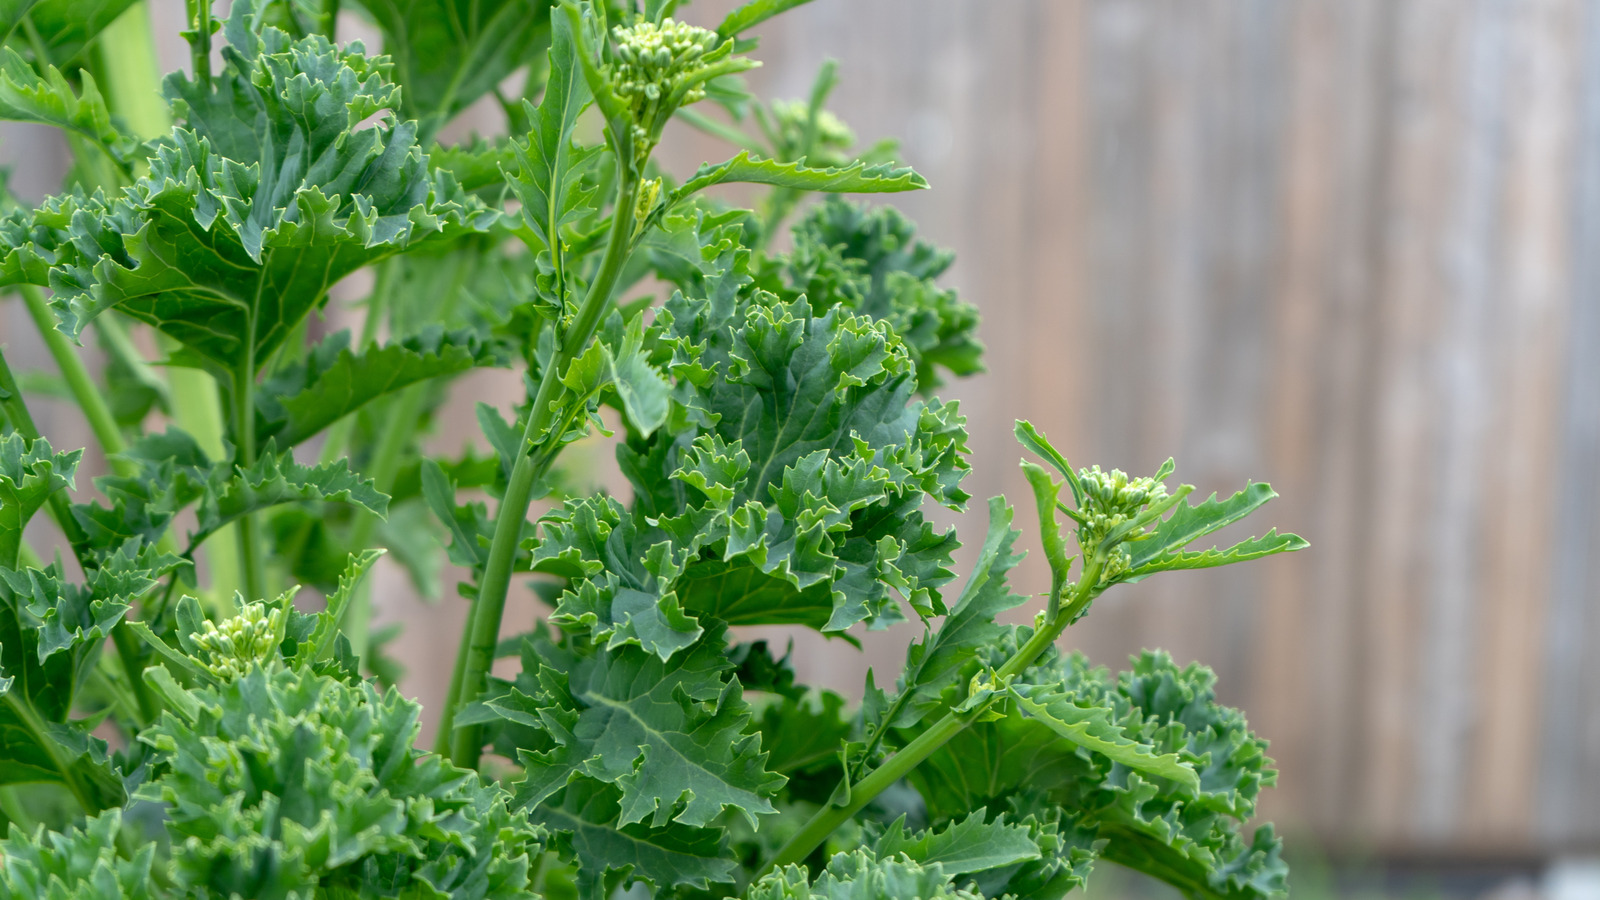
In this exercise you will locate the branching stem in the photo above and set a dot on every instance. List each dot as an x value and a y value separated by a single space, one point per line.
465 743
829 818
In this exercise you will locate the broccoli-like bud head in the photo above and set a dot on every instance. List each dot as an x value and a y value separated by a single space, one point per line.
237 644
659 68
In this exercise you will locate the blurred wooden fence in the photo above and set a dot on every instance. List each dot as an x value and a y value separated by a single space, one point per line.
1350 247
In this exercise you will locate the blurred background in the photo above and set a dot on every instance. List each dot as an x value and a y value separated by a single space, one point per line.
1348 247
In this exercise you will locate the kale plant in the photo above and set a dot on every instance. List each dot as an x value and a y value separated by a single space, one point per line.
176 725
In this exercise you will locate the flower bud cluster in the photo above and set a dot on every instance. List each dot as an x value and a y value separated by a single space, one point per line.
235 645
1111 499
658 69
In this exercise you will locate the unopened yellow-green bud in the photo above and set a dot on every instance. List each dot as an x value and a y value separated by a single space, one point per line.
1112 499
248 639
659 68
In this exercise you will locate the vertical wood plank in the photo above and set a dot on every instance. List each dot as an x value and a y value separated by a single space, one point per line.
1311 665
1528 318
1569 740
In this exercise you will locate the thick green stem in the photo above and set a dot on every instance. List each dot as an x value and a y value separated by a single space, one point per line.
244 434
398 430
829 818
466 743
133 82
330 19
128 653
76 374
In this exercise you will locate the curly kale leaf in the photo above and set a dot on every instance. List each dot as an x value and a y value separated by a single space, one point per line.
27 96
583 817
30 472
962 847
276 478
51 635
266 196
289 782
672 735
1188 832
785 485
870 261
81 861
861 875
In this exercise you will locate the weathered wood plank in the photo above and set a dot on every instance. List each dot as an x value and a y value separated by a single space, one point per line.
1569 741
1528 317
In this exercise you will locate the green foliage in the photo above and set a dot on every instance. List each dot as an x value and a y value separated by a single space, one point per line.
773 416
81 862
254 209
448 53
783 489
50 100
862 876
301 400
1185 828
870 261
278 783
64 27
30 472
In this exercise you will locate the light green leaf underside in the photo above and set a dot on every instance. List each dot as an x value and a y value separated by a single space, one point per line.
858 177
1094 728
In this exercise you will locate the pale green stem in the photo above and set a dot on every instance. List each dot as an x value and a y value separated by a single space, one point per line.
133 85
14 811
829 818
87 394
466 744
401 425
119 344
244 434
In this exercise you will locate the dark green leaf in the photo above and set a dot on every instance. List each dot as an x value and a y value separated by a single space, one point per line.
671 736
276 478
583 816
334 381
448 53
65 27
